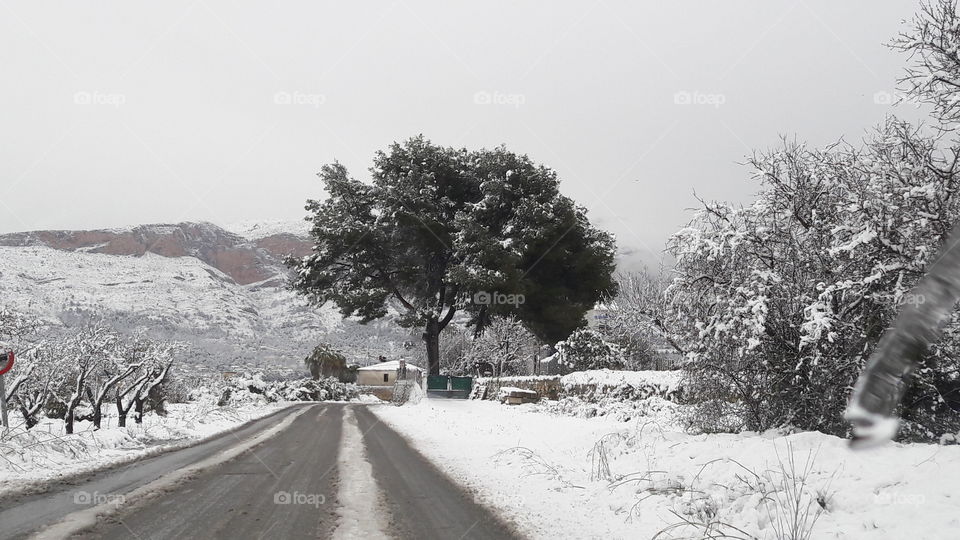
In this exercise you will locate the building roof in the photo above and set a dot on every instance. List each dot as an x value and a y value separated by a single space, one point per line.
392 365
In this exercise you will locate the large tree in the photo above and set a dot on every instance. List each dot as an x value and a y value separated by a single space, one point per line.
441 230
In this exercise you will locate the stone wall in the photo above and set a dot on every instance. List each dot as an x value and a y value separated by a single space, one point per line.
547 386
590 386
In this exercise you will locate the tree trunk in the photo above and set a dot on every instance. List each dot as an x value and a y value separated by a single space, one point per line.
68 421
97 416
30 419
121 413
431 337
138 409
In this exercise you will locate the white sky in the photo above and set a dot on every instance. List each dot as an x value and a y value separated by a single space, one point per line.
182 121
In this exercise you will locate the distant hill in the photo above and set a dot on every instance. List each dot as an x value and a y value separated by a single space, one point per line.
246 260
224 291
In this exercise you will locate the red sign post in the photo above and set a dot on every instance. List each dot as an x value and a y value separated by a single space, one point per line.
7 366
8 362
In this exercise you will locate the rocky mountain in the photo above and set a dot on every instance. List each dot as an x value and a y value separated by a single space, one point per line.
223 290
245 260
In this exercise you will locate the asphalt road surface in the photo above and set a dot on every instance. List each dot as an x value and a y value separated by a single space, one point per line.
334 472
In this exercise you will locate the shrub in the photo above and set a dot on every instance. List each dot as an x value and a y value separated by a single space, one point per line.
586 349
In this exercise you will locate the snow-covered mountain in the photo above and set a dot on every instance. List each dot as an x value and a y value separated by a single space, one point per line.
222 290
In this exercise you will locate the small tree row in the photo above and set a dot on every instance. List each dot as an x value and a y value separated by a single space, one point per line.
73 375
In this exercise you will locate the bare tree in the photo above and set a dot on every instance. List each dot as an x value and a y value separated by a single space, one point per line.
637 318
86 351
154 360
151 388
111 371
506 343
21 333
933 74
33 387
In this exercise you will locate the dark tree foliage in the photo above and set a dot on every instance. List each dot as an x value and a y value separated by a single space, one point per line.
440 231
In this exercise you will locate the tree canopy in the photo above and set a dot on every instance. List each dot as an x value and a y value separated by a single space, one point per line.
441 231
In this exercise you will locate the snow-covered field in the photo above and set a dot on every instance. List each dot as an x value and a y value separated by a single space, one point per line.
565 477
45 453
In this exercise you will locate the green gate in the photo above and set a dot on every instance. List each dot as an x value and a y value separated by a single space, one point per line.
449 386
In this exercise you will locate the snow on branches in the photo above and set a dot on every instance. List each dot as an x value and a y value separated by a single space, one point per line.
586 349
780 302
72 373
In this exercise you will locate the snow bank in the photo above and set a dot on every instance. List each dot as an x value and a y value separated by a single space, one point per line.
619 395
669 381
44 453
562 477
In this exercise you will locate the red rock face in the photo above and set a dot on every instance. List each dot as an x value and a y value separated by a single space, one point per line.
285 245
243 260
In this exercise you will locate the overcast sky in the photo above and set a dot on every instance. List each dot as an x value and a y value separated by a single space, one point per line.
119 112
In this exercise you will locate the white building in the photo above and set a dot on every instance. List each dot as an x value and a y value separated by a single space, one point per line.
386 373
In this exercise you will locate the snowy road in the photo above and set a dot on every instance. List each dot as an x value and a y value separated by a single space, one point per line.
330 471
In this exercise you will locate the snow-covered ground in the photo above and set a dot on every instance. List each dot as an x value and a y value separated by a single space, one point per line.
566 477
45 453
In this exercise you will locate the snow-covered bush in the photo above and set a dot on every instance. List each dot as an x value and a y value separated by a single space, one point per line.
779 304
586 349
253 389
325 389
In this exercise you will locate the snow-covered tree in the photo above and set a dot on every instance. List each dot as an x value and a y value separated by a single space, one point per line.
40 372
153 360
635 318
506 344
932 43
443 230
586 349
20 333
114 367
87 350
779 303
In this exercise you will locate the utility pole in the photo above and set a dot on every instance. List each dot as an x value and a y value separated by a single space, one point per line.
3 406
